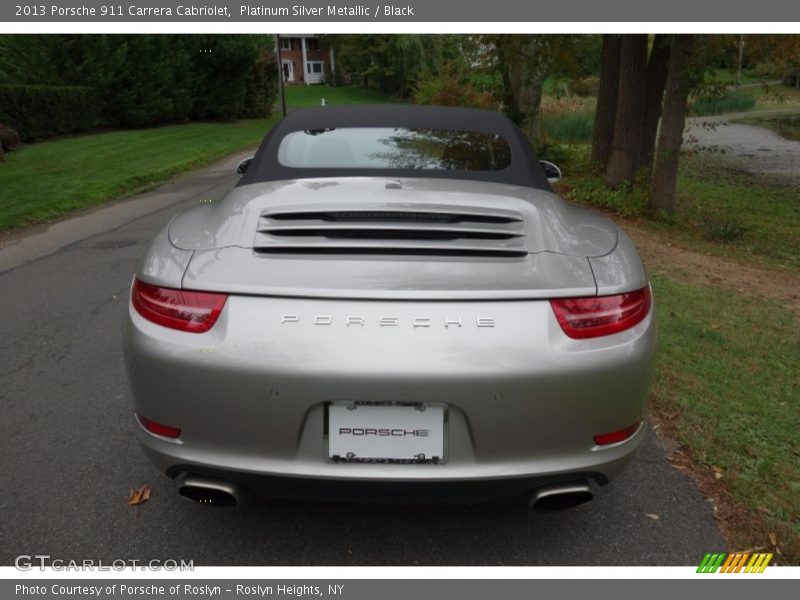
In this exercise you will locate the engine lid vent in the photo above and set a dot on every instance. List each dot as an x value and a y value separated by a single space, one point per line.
447 231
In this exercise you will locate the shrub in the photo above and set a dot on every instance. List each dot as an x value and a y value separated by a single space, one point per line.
767 70
9 138
41 111
713 104
568 127
628 200
717 228
567 120
586 86
261 88
448 89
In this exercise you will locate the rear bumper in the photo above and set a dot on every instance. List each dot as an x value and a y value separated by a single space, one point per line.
524 401
366 491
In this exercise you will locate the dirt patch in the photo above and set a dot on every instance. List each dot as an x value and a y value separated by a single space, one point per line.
694 268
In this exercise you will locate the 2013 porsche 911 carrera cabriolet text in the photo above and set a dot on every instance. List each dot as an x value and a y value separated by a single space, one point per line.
391 304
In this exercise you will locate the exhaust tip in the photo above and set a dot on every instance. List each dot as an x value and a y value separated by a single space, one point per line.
561 496
210 492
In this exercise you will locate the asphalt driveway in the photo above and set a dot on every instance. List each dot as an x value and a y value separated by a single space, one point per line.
68 456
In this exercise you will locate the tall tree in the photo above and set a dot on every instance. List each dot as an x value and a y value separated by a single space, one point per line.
606 110
739 62
524 65
679 82
525 62
629 119
657 67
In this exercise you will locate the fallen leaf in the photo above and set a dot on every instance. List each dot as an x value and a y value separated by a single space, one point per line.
653 516
134 498
773 539
139 496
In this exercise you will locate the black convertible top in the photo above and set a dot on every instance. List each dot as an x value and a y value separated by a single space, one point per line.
524 169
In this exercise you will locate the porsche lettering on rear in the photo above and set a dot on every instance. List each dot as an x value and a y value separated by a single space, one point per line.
382 321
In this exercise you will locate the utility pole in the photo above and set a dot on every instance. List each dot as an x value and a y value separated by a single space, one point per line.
280 74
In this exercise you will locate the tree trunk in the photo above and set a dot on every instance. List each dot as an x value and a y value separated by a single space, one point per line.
605 113
657 68
533 117
523 80
629 119
679 82
514 76
739 62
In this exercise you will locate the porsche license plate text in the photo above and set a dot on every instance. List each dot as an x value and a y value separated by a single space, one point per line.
385 432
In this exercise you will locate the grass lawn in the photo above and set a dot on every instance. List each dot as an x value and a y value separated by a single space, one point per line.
727 383
50 178
304 96
755 215
47 179
728 76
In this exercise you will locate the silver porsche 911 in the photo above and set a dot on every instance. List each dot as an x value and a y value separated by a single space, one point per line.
392 304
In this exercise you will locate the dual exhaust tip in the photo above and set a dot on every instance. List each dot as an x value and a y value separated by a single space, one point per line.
225 494
210 492
558 496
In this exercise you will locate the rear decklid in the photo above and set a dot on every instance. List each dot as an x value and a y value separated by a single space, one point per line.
392 239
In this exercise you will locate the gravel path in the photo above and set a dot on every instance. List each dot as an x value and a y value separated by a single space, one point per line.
751 148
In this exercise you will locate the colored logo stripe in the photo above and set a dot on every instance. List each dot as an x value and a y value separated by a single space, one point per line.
734 562
711 562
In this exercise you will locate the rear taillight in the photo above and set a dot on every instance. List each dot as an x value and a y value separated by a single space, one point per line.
158 428
614 437
582 318
184 310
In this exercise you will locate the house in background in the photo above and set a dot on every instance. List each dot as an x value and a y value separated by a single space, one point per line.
304 59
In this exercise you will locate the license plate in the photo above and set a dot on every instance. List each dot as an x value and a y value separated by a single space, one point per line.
385 433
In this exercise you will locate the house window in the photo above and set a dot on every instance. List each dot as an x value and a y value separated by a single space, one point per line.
312 43
314 67
286 43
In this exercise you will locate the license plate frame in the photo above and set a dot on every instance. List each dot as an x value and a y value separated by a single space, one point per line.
386 432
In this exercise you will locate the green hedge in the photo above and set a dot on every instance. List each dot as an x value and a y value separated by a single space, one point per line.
42 111
261 88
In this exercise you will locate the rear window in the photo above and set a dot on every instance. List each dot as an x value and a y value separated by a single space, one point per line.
394 148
